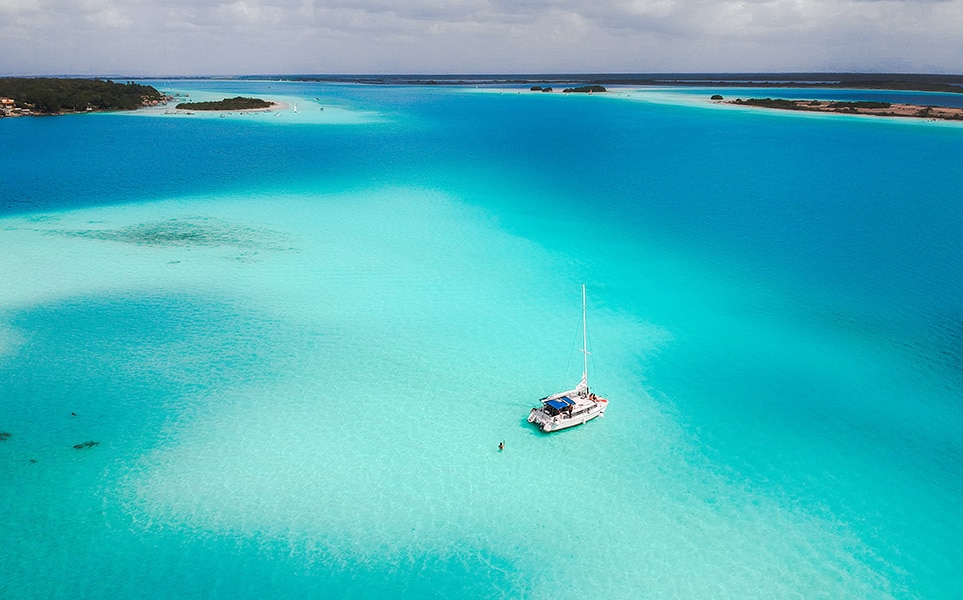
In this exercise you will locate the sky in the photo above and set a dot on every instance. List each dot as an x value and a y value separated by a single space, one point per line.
142 38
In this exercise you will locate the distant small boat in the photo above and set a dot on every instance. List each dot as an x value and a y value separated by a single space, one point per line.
295 107
572 407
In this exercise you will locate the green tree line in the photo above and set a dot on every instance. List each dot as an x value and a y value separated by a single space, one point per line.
54 95
235 103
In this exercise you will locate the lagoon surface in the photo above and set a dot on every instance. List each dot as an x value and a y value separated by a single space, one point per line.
298 337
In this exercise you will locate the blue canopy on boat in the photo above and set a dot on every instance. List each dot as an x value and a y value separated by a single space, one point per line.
560 403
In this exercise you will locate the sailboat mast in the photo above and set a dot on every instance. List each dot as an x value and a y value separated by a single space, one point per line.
585 351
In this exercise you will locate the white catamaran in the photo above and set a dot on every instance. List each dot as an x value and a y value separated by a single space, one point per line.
574 407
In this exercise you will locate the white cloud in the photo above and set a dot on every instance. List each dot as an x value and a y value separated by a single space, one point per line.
18 7
647 8
109 18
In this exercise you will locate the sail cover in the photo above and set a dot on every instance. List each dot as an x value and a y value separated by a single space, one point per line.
560 403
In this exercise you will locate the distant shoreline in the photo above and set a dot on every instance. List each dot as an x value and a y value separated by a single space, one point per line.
875 109
48 96
868 81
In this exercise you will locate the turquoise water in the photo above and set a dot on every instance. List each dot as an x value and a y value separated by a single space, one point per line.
298 338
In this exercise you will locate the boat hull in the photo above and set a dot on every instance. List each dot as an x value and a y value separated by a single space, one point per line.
549 423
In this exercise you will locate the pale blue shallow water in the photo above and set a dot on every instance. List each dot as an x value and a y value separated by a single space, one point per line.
299 337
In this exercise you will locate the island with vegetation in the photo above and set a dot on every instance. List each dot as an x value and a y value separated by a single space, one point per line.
584 89
879 109
21 96
235 103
